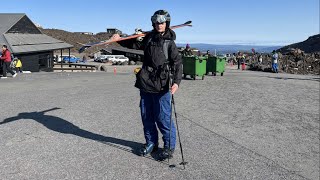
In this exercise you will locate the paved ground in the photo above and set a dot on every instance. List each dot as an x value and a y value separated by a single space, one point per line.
244 125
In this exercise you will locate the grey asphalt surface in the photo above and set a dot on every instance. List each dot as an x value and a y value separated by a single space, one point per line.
243 125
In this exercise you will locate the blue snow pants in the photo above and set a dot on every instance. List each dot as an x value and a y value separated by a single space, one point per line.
275 67
156 112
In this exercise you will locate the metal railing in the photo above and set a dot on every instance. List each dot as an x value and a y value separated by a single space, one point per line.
74 67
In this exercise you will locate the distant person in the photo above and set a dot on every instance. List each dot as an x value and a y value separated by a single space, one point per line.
57 58
187 51
6 61
243 62
239 58
84 59
260 59
208 53
234 58
275 61
18 65
0 65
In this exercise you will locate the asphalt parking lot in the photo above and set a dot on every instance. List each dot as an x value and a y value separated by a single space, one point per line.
86 125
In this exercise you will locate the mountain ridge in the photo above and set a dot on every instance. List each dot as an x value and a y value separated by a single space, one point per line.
230 48
312 44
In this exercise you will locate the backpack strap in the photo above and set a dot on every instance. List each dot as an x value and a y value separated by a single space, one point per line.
165 48
148 42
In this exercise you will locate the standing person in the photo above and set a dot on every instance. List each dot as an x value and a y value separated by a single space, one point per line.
234 58
84 59
260 59
187 51
275 61
208 53
18 65
56 58
239 57
153 82
6 61
243 62
1 65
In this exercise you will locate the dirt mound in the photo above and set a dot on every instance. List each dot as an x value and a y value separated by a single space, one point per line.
76 38
293 63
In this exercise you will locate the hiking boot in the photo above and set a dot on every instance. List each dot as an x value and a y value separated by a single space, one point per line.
166 154
148 148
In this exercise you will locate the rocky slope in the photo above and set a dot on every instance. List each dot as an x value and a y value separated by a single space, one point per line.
311 45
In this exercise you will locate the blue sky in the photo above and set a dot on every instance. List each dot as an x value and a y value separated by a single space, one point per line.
263 22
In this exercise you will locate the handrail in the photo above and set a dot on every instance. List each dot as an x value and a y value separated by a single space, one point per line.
74 64
74 67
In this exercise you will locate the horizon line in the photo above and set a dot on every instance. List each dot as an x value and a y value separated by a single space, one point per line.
241 43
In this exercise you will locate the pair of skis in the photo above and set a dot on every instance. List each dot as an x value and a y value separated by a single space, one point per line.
85 46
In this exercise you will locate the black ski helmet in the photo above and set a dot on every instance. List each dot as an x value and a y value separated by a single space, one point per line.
161 16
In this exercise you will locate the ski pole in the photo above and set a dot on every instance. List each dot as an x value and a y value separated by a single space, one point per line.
171 166
170 84
175 114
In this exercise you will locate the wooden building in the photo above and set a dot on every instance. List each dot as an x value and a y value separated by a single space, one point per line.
28 43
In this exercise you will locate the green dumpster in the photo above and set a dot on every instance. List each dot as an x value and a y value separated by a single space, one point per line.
216 64
194 66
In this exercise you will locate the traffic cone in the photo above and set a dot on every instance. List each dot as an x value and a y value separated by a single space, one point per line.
114 70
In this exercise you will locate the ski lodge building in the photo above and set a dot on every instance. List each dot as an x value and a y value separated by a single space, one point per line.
28 43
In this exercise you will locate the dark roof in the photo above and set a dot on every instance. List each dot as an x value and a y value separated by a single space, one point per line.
7 20
23 42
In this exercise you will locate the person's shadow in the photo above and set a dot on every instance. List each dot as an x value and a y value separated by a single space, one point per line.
62 126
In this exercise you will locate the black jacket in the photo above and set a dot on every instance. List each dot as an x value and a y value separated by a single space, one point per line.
154 76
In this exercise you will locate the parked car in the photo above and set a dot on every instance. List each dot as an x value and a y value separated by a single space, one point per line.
72 59
98 59
59 58
112 58
117 58
101 58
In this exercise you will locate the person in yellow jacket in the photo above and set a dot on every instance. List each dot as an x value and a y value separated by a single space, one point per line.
18 65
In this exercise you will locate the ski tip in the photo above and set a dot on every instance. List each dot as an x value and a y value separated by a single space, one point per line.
83 48
188 23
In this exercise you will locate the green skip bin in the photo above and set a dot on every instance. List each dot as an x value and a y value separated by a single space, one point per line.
194 66
216 65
